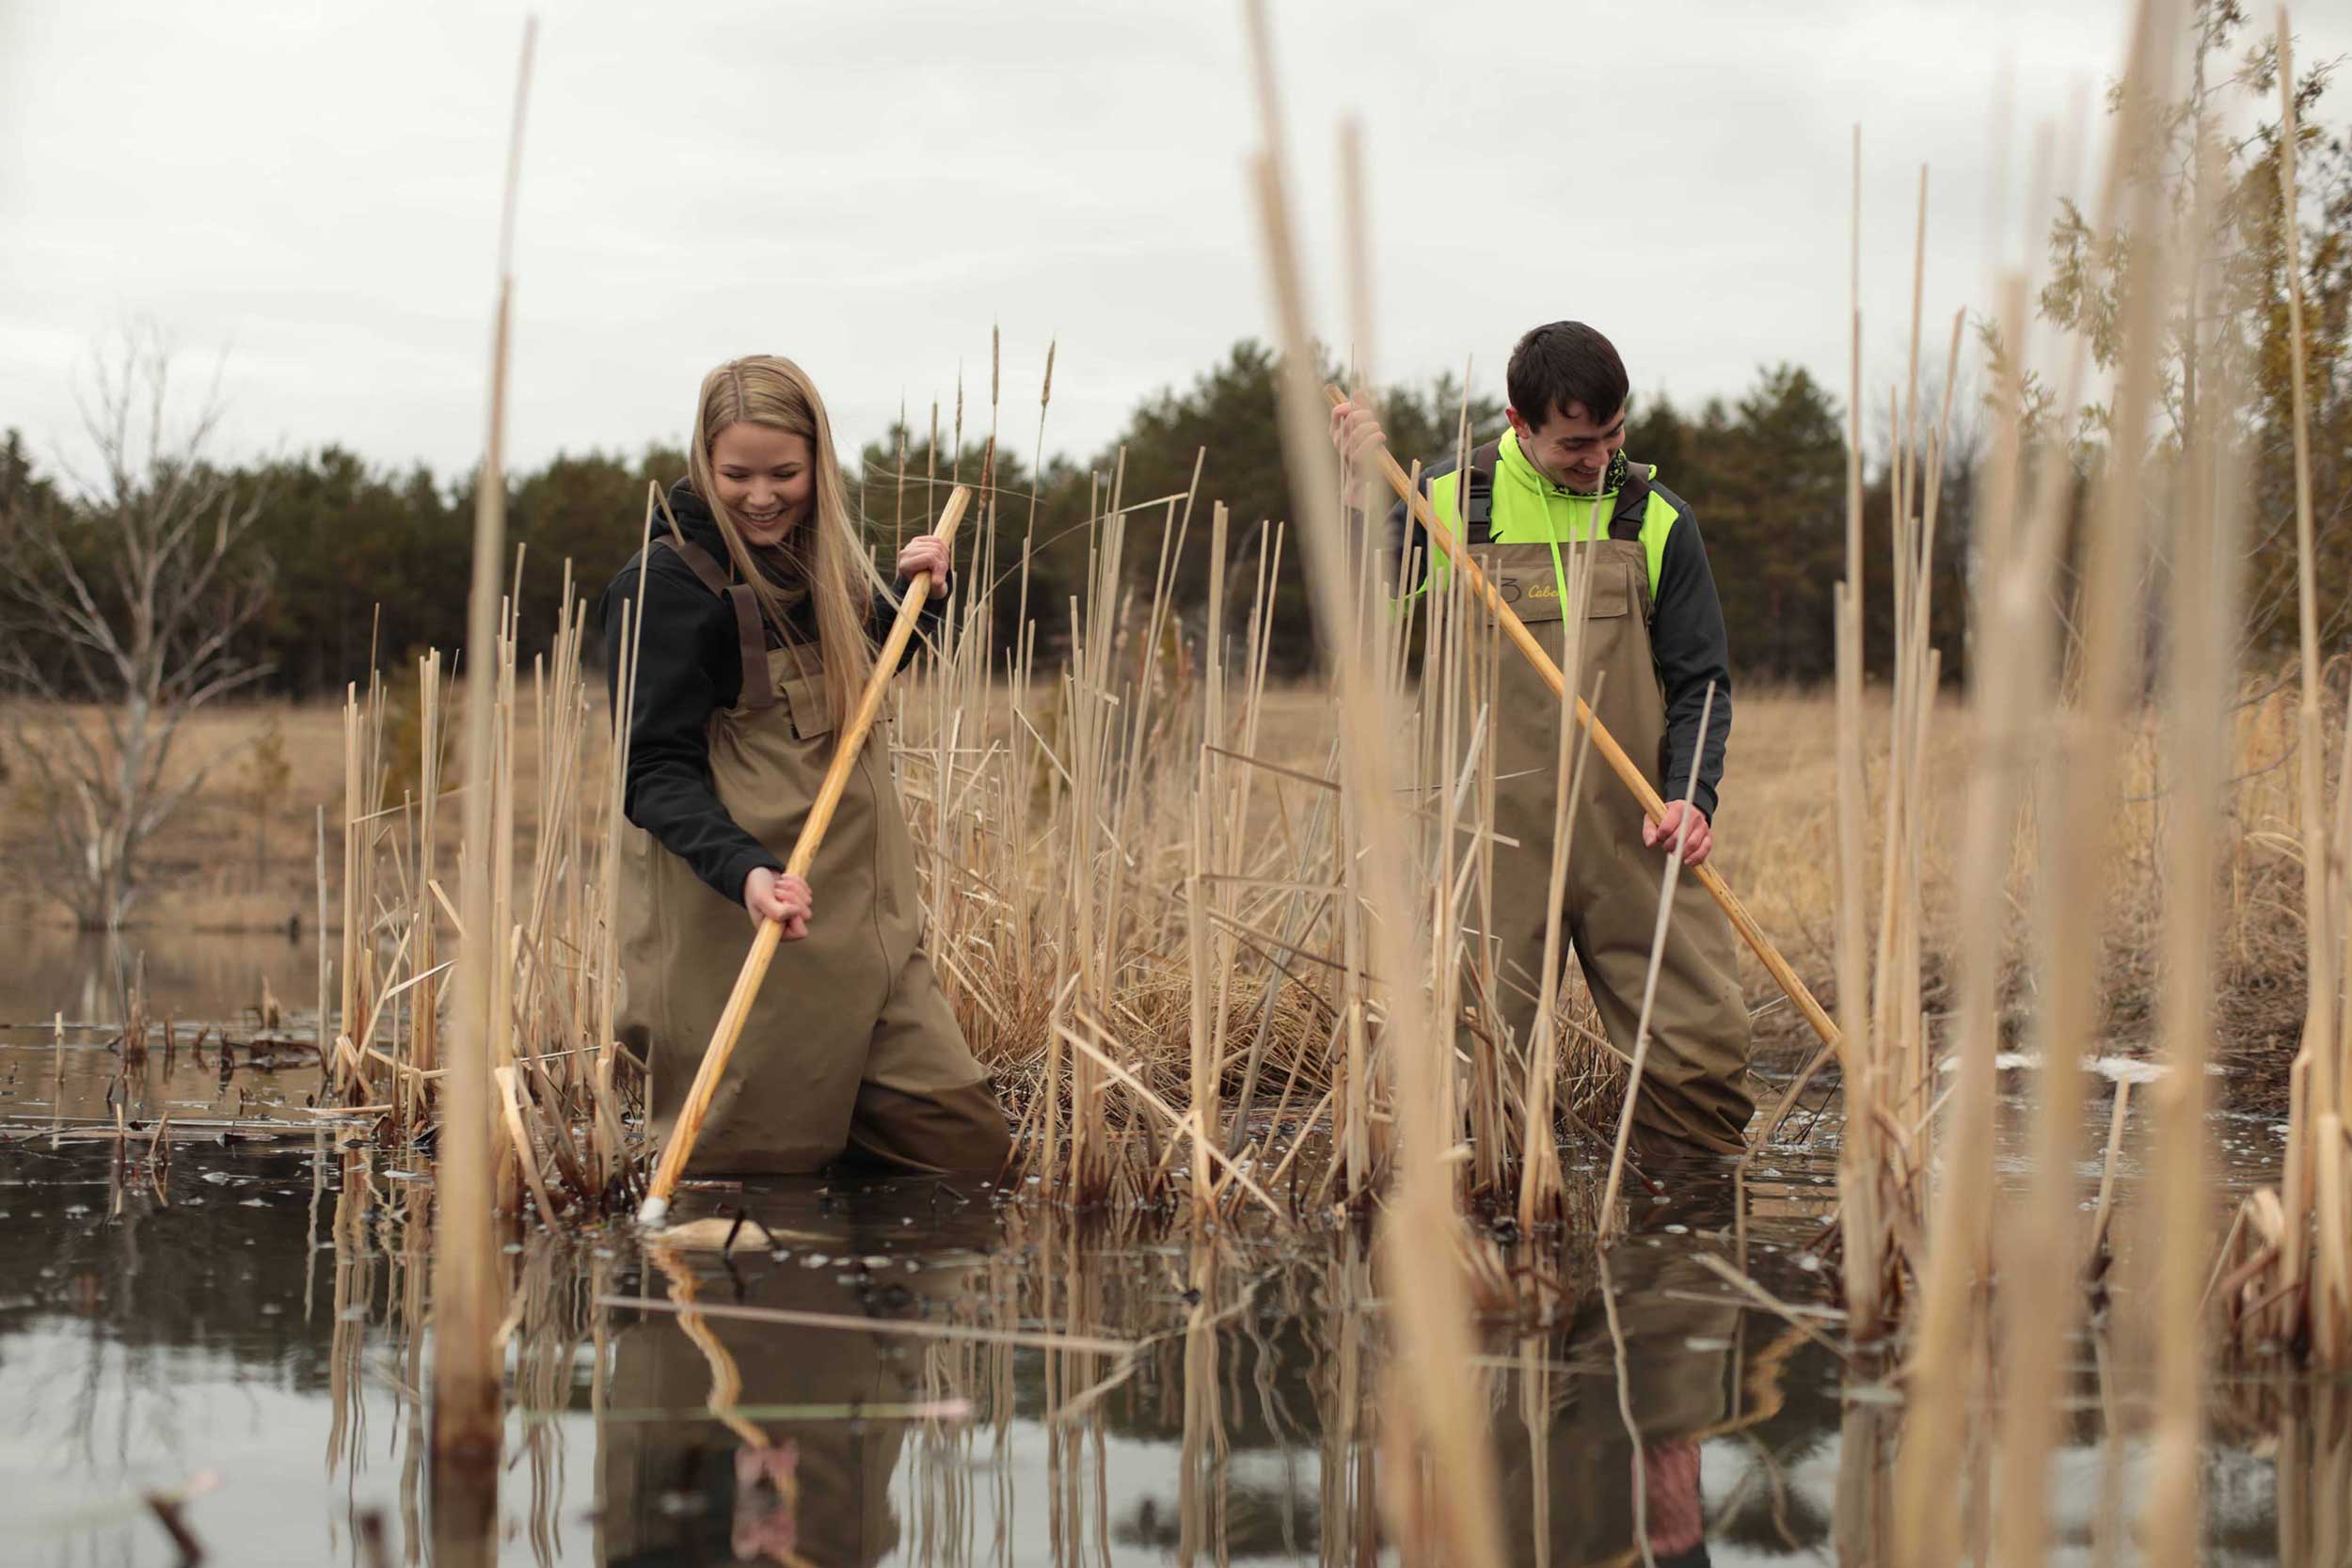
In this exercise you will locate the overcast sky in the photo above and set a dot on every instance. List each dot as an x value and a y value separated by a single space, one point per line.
310 192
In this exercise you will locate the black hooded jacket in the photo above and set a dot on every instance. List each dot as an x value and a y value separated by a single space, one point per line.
688 667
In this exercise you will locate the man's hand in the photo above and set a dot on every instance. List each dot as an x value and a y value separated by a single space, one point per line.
925 552
1355 431
781 897
1698 840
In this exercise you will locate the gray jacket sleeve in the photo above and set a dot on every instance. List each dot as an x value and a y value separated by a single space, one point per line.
1692 651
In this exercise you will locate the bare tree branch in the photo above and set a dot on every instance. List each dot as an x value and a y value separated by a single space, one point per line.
127 604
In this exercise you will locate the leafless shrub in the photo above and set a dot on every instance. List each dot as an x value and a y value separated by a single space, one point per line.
119 615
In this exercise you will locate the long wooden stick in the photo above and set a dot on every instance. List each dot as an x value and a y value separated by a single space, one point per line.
1603 742
715 1063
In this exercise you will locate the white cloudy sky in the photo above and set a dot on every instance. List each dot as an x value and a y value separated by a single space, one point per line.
310 191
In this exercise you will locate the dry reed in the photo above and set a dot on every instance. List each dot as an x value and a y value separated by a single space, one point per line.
467 1286
2053 728
2289 1260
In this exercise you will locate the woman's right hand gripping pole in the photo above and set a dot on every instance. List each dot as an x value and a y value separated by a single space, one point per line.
780 896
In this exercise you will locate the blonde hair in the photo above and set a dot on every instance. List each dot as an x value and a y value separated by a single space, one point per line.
827 548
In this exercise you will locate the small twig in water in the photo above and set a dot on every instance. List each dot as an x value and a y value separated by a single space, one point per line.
165 1506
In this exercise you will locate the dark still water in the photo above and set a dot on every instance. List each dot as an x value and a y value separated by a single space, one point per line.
906 1373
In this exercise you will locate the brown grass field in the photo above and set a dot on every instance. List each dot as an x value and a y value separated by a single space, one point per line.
1774 837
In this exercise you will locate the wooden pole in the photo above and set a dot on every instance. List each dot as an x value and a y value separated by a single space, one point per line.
1627 772
715 1063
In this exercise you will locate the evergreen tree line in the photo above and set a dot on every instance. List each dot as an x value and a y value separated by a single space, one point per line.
369 565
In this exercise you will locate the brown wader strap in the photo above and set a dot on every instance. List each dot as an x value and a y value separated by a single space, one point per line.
751 639
1632 502
1478 494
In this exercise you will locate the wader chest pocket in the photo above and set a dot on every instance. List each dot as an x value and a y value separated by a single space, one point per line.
1612 591
1534 594
812 716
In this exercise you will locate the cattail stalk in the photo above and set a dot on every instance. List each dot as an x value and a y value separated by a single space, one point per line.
467 1286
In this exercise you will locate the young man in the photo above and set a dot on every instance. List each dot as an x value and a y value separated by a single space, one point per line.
1654 634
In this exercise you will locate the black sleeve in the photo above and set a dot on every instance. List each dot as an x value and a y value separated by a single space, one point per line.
1691 651
688 667
885 615
1400 533
1403 532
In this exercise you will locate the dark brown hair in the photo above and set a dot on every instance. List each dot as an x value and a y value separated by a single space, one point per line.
1562 363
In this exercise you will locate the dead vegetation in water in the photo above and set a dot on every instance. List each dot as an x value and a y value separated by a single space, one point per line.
1186 954
1776 841
2085 615
1777 837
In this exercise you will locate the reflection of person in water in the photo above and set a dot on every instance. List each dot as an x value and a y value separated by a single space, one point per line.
768 1502
1693 1368
713 1480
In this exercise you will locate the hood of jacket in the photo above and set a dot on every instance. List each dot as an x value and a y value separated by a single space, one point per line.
694 521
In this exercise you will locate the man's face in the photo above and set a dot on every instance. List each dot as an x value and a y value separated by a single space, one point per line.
1571 448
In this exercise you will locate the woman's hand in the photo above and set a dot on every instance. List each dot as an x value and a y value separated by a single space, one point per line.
925 552
782 897
1355 431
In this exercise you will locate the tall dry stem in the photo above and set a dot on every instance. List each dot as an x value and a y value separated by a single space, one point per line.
466 1283
1430 1302
2042 1232
2199 674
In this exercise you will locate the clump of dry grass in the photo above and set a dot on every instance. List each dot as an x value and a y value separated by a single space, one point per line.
1777 835
2151 870
1142 894
517 900
203 874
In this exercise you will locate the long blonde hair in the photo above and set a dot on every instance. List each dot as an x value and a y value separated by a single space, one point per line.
769 389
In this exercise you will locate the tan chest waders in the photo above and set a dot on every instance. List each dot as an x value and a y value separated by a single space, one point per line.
1694 1089
851 1045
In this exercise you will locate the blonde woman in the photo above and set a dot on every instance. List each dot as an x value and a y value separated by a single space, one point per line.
761 611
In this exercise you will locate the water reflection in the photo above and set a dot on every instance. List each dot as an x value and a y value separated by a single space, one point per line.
54 970
725 1438
1619 1413
901 1372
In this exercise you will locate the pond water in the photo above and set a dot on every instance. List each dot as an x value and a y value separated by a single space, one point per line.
921 1373
53 971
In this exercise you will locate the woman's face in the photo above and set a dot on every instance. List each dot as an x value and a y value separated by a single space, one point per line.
766 478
